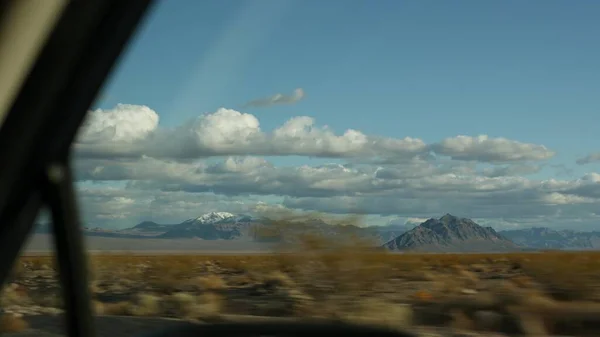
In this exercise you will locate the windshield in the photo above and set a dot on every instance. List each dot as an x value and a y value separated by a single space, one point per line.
414 164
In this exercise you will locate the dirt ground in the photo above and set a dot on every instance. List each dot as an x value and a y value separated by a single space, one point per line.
537 294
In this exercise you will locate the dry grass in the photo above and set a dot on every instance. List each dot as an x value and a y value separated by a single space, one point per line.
212 282
566 275
465 292
342 279
12 323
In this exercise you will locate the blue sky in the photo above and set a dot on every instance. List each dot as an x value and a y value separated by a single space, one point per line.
524 70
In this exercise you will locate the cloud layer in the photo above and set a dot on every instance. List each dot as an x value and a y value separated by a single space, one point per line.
131 169
277 99
133 131
591 158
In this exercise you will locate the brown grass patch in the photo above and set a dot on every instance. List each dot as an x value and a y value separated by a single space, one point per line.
212 282
341 277
12 323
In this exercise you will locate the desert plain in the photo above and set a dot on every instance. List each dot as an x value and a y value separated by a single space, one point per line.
550 293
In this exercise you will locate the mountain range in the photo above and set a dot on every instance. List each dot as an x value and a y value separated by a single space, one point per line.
228 226
446 234
546 238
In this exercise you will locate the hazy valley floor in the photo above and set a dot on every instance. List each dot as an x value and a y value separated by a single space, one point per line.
40 244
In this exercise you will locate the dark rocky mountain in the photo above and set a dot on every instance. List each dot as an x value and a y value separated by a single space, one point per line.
451 234
546 238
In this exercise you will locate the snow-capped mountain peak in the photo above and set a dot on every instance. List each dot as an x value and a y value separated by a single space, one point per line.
212 217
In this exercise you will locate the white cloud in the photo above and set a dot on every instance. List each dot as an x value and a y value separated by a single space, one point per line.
414 221
133 131
225 130
485 149
556 198
124 123
510 170
238 165
118 207
336 188
165 173
277 99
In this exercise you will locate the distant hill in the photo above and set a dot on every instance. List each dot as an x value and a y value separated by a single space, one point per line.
228 226
447 234
451 234
546 238
149 227
213 226
46 228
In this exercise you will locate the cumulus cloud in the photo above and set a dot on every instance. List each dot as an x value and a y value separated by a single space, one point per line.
485 149
251 175
523 203
277 99
124 123
130 168
262 179
110 206
130 131
238 165
338 188
228 132
556 198
510 170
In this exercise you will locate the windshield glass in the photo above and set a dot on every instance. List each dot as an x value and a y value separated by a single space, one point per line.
418 160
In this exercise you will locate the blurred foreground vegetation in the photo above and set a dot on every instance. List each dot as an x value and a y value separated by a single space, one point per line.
340 278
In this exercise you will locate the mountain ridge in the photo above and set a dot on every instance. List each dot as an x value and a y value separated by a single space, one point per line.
450 234
443 234
228 226
547 238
